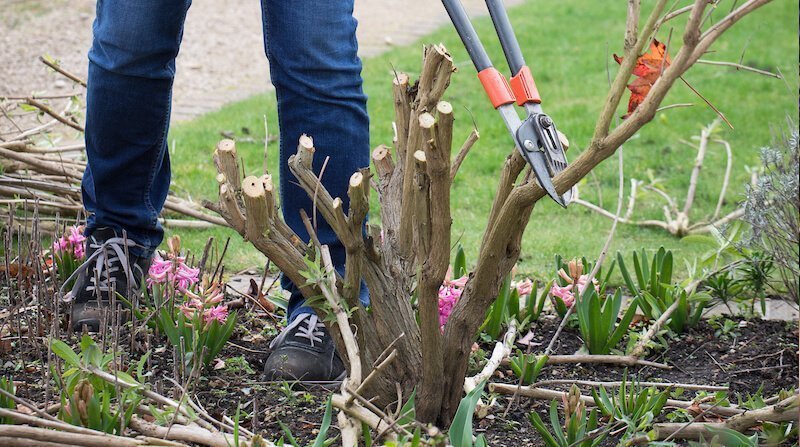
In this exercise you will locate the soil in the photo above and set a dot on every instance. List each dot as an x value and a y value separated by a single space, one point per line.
758 354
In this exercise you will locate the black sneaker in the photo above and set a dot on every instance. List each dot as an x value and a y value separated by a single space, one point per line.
304 352
107 269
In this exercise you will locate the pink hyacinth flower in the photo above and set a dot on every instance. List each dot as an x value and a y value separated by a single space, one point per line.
582 284
564 293
524 288
159 271
188 311
184 275
61 245
448 296
218 313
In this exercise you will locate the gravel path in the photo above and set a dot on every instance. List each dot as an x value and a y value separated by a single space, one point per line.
221 58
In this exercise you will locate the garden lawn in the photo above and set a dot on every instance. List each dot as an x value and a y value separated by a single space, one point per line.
569 46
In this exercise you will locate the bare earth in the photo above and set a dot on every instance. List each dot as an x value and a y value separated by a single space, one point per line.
221 59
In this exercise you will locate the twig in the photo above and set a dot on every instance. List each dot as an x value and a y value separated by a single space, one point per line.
44 108
548 394
714 108
462 153
674 106
617 384
627 360
740 67
728 169
67 74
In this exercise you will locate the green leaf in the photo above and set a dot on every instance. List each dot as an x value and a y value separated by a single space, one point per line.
288 434
66 353
326 424
460 263
408 412
556 424
542 429
461 429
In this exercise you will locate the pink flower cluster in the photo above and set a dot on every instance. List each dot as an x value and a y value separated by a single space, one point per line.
566 293
73 243
449 293
207 302
172 270
524 287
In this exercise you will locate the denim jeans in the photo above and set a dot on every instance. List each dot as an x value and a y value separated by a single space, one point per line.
314 66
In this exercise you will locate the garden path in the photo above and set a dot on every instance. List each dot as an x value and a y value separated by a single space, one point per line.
221 58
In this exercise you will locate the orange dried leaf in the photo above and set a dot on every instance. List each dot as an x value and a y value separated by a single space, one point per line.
648 69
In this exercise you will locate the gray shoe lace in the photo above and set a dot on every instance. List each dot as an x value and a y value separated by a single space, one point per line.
103 262
311 331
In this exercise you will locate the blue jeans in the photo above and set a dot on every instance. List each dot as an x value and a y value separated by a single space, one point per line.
314 66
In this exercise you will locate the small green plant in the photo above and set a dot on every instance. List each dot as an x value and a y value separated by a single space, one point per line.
239 365
724 327
656 293
7 385
597 320
190 312
518 301
534 303
756 274
68 254
724 287
460 433
527 366
725 437
505 307
570 282
322 437
577 428
632 405
89 401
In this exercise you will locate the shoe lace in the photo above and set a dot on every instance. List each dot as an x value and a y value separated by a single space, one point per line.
108 258
308 327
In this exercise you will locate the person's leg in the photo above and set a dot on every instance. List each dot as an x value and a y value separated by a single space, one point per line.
312 49
131 68
314 65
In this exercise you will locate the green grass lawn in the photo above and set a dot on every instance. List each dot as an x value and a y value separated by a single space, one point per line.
568 46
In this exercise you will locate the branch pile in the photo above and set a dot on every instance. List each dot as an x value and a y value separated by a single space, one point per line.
42 159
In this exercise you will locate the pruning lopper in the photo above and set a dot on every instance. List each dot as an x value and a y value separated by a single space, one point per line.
535 137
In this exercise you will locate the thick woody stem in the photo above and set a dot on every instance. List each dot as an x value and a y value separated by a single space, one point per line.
443 134
227 163
437 68
301 164
358 191
230 207
402 112
511 169
433 262
305 152
422 211
255 203
384 166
